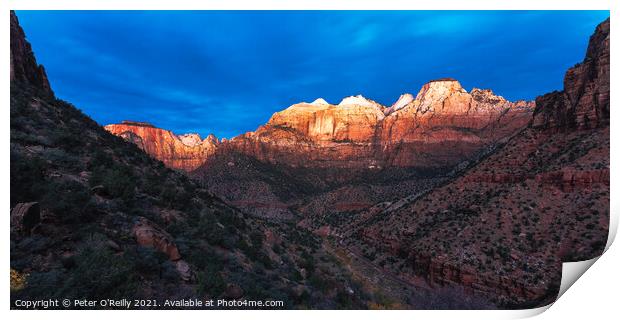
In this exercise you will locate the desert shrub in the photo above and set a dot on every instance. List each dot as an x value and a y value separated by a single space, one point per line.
152 184
297 276
169 194
277 248
210 281
450 298
214 234
169 273
40 285
146 260
67 199
27 175
100 158
67 140
256 239
230 218
318 281
203 258
61 159
208 227
18 280
100 273
302 299
308 262
259 286
265 260
344 300
119 181
247 249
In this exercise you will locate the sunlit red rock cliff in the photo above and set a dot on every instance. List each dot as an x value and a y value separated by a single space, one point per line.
442 126
186 152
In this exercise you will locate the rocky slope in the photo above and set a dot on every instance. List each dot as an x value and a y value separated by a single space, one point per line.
186 152
94 217
540 200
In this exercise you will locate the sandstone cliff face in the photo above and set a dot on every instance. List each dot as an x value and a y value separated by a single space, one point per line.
354 119
584 102
442 126
186 152
24 66
445 125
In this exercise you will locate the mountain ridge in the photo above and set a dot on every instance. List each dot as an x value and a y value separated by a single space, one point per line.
359 128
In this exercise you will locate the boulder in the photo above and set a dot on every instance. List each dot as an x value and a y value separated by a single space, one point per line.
184 270
24 217
99 190
113 245
323 231
149 234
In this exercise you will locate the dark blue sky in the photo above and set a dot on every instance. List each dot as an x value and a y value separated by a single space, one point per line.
227 72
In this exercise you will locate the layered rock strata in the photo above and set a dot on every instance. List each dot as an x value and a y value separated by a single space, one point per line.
185 152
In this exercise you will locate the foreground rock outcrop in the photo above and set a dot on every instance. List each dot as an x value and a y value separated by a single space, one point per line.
24 66
24 217
150 235
584 102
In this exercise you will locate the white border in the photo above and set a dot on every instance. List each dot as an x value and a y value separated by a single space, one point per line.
593 295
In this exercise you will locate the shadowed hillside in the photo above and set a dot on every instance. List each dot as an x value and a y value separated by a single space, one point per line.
94 217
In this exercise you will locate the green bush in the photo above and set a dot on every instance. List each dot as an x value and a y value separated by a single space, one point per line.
119 181
210 282
68 200
256 239
100 273
27 176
